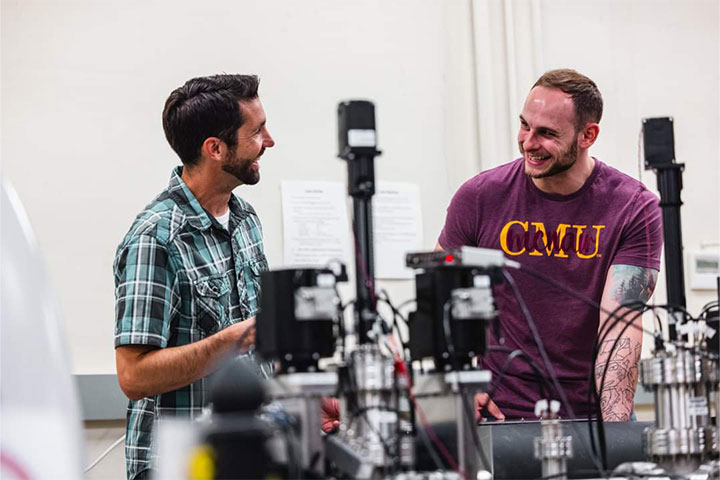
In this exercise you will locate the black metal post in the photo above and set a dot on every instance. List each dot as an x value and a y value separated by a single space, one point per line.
361 187
669 181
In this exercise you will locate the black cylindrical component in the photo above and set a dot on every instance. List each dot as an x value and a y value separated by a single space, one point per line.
669 181
238 443
236 437
235 388
357 144
361 177
511 446
365 303
356 129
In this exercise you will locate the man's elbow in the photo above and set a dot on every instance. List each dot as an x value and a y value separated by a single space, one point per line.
131 377
129 385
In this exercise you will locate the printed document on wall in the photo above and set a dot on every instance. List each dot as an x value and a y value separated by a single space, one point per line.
397 228
315 223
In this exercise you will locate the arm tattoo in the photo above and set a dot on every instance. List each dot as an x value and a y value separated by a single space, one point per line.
620 353
632 283
618 392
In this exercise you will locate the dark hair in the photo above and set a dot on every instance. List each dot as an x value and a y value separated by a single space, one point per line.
585 94
206 107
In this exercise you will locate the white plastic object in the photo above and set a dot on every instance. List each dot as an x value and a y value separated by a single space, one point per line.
41 435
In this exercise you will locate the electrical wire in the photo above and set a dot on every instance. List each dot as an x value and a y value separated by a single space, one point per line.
659 325
603 445
406 302
593 387
707 308
104 454
276 413
582 298
546 360
362 412
385 298
607 328
600 340
429 437
593 304
611 315
513 354
593 396
431 449
469 413
442 449
426 428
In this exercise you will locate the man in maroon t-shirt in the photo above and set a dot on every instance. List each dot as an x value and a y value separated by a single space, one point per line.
580 222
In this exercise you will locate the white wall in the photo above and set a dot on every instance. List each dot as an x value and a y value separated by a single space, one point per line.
652 58
84 82
648 57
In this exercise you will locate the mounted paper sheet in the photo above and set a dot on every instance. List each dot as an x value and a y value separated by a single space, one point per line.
397 228
315 223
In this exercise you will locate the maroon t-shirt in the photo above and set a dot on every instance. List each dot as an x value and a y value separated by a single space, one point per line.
574 239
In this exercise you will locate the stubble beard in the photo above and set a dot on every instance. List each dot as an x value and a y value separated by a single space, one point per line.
564 163
242 169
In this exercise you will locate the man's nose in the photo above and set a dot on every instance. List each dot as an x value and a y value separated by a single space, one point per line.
268 142
529 141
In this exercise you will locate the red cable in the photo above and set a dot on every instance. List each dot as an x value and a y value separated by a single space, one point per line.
400 368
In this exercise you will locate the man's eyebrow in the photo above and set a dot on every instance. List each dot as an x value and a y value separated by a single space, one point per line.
548 129
552 130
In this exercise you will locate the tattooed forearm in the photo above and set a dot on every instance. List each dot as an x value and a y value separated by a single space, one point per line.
632 283
621 344
618 389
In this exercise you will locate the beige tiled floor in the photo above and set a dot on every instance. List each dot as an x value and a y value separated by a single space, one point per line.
99 435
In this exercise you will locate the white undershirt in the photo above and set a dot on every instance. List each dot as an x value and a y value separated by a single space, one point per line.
224 219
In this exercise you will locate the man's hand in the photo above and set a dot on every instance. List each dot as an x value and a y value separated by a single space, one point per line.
330 414
483 402
145 371
242 333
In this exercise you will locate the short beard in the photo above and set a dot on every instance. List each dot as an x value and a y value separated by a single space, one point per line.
243 171
565 162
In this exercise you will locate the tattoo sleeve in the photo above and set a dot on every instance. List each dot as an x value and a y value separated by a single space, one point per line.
620 350
631 283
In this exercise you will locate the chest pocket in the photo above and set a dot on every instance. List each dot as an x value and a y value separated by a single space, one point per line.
212 300
249 284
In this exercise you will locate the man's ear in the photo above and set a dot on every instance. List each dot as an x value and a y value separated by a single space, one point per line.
588 135
214 149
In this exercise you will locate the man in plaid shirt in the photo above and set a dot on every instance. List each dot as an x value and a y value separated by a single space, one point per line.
187 272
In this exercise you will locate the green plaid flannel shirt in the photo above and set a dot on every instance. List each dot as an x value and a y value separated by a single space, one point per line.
180 277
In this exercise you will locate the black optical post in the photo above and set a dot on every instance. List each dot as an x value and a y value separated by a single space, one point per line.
357 145
659 147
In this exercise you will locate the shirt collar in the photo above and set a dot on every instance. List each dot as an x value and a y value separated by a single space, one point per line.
196 215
